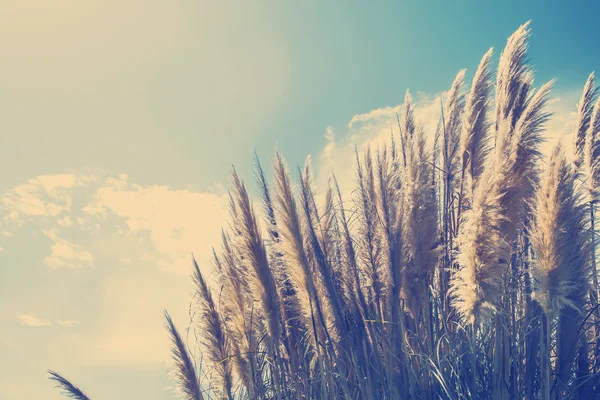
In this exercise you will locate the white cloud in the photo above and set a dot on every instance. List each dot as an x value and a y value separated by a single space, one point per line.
44 196
65 254
328 153
33 321
146 233
68 323
52 232
65 222
178 221
374 115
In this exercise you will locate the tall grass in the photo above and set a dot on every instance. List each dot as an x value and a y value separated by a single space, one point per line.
465 270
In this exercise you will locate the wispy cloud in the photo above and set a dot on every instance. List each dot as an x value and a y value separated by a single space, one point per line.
378 114
177 221
65 254
44 196
33 321
65 222
68 323
329 149
143 234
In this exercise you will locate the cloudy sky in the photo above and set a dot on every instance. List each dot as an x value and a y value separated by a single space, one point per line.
120 120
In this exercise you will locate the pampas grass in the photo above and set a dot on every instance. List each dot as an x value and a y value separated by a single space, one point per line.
292 244
558 238
585 109
449 272
419 224
500 200
253 251
68 389
216 345
185 370
474 140
562 260
453 111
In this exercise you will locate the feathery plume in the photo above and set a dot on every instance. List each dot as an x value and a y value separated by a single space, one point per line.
236 300
213 338
585 109
351 274
267 201
370 244
185 371
520 163
453 110
68 388
391 204
474 138
591 157
419 233
514 77
291 325
292 243
254 253
419 225
558 238
407 128
328 221
499 207
318 244
562 256
501 196
482 256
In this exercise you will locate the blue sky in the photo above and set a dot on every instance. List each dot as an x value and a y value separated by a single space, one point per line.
120 120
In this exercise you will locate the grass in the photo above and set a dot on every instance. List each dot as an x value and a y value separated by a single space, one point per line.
462 271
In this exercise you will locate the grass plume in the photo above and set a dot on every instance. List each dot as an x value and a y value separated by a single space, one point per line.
185 371
69 389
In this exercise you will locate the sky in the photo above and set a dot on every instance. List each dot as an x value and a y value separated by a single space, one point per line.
120 120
